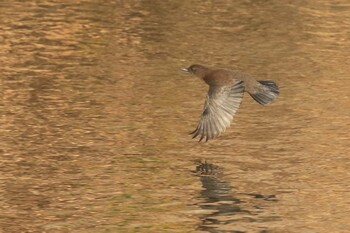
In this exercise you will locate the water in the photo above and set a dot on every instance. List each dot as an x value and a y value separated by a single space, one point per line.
95 117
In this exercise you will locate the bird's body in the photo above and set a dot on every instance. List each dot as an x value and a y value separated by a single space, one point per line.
226 88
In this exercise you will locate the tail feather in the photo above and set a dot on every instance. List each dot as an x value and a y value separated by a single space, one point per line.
267 92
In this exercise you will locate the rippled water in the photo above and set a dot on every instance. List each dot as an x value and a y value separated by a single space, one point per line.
95 117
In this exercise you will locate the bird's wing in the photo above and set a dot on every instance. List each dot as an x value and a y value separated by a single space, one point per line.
220 106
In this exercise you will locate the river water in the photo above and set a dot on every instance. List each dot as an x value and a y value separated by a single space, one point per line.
95 117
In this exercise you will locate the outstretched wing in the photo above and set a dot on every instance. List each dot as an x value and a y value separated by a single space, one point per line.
220 106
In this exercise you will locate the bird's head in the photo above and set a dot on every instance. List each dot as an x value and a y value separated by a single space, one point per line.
197 70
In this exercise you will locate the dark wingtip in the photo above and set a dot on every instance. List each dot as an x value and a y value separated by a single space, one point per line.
194 131
201 137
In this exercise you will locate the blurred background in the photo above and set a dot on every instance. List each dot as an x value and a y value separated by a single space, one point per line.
95 117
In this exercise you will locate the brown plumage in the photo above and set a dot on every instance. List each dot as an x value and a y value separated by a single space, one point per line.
226 88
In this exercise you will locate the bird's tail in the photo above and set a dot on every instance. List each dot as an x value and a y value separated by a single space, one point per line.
267 92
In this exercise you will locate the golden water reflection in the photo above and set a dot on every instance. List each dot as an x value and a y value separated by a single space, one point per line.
95 117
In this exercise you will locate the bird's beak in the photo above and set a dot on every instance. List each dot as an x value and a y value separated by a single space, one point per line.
185 70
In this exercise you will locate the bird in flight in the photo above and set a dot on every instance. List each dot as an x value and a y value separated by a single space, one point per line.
226 88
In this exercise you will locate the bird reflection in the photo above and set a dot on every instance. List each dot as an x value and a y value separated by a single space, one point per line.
220 202
218 197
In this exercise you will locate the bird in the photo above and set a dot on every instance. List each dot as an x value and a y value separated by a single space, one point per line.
226 89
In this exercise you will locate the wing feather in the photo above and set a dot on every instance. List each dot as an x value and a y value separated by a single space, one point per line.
220 107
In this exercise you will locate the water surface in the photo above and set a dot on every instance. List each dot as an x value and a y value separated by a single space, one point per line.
95 117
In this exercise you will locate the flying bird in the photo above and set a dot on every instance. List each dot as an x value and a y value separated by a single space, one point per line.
226 88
